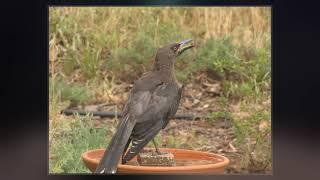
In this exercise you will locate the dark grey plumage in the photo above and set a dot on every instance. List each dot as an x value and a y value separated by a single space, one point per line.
153 100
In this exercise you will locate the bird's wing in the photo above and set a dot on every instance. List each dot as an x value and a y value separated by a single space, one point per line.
136 105
174 105
139 142
151 121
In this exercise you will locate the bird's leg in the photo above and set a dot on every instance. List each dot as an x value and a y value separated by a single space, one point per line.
124 151
122 157
156 146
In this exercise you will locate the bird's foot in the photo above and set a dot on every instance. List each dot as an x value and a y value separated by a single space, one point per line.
159 152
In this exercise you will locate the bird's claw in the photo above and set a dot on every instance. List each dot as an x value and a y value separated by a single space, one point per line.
159 152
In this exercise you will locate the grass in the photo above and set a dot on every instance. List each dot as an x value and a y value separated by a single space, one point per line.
93 41
92 51
254 134
72 139
74 92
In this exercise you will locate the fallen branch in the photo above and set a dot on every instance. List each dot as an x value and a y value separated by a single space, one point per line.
111 114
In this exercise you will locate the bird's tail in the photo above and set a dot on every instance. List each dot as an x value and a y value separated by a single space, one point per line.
112 155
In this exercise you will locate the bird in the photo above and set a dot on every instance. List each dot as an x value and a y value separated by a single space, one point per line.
152 102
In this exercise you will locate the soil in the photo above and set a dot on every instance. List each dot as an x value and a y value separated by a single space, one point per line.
151 158
216 139
181 162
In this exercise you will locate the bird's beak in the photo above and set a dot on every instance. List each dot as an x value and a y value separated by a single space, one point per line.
182 48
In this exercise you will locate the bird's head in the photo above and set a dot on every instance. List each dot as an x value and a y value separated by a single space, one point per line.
175 49
167 54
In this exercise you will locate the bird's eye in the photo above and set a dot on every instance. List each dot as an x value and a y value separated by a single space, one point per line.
175 48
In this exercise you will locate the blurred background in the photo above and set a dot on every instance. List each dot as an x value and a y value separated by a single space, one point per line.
96 53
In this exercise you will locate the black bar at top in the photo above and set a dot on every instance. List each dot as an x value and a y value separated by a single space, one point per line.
161 3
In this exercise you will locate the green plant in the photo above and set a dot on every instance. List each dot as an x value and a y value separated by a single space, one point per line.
254 142
71 140
219 115
86 37
69 92
248 126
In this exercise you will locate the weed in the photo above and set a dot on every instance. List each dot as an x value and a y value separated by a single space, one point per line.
69 92
73 139
219 115
254 141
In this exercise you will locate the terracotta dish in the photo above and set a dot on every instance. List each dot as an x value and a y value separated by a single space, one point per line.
188 162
